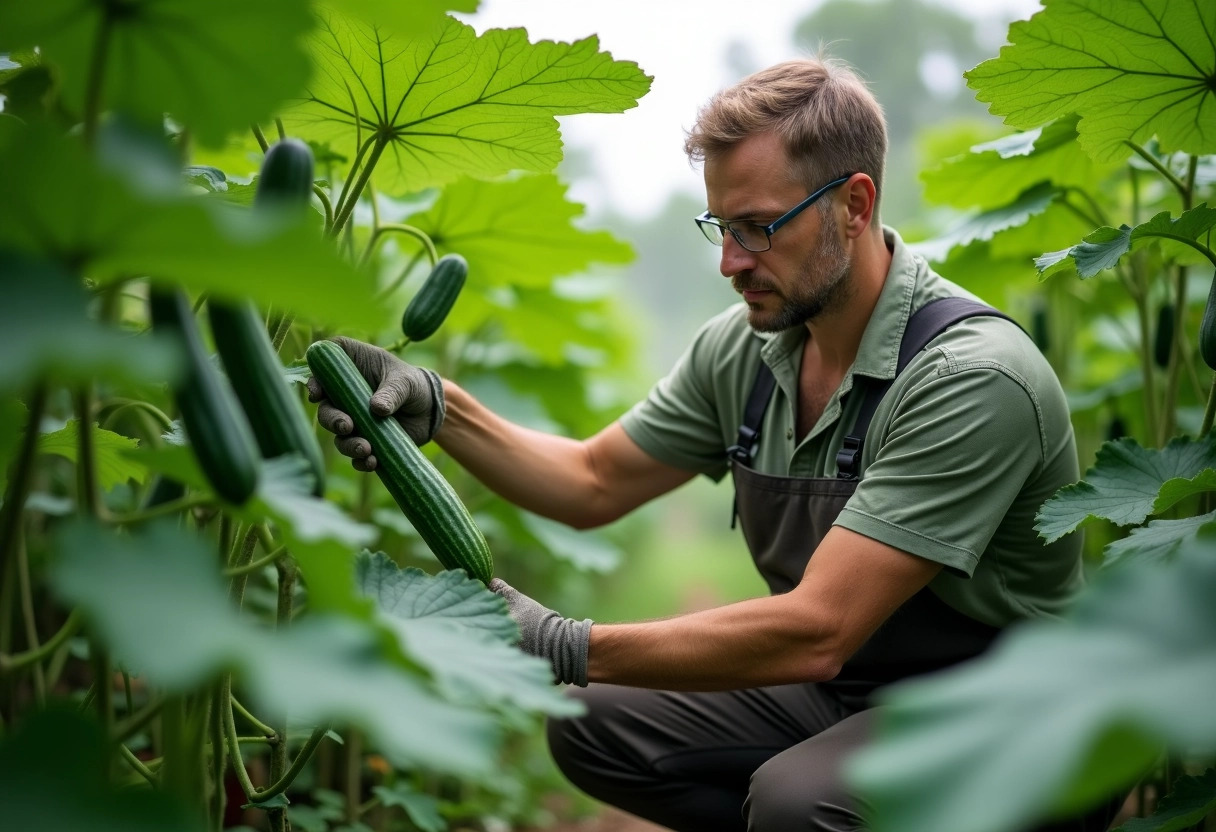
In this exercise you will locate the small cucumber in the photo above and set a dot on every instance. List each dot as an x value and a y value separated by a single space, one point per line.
428 309
1207 329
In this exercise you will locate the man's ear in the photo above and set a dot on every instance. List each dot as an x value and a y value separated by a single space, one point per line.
859 198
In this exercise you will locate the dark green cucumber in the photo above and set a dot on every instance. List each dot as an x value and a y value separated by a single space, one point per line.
285 178
431 305
275 412
425 497
163 490
1207 329
219 432
1164 336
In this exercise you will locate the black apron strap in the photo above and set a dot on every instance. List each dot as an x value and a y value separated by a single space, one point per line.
926 323
749 431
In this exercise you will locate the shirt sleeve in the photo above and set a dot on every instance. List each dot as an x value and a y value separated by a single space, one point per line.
680 421
961 443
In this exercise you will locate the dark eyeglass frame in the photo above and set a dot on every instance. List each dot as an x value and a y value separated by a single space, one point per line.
713 227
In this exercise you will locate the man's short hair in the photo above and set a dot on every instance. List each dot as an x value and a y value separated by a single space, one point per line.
828 120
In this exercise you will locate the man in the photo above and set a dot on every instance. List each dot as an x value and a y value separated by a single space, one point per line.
738 717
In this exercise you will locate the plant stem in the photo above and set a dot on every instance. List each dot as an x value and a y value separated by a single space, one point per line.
96 80
297 765
417 233
137 721
138 765
278 124
1173 371
107 414
250 718
1156 163
401 277
260 136
350 180
1209 412
1146 348
20 479
86 460
280 334
278 756
219 756
348 207
398 345
234 748
27 615
103 670
255 565
152 512
325 203
9 664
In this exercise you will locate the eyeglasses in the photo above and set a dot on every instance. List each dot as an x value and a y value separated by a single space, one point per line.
753 236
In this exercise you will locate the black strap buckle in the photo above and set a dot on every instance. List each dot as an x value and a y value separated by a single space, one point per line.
745 445
849 458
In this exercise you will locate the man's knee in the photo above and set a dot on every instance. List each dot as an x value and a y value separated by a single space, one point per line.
786 796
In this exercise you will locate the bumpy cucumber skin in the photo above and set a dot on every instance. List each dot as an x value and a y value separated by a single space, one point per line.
1207 329
427 310
1164 335
285 178
424 496
219 432
275 413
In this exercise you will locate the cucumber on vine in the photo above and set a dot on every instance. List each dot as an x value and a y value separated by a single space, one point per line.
431 305
219 432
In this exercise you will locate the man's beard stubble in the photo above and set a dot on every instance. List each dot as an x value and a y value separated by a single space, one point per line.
822 284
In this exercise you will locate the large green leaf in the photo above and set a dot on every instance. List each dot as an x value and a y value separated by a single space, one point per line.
986 224
1103 248
214 65
1131 70
53 766
1057 714
422 808
62 206
1125 484
1190 801
1156 541
587 550
45 331
402 19
453 103
462 632
984 178
522 231
112 464
155 597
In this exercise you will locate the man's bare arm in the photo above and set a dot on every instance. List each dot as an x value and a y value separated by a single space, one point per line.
851 585
582 483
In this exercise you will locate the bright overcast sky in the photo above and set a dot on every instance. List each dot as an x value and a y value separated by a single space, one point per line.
684 46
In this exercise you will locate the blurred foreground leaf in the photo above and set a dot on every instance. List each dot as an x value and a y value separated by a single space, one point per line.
214 65
45 331
156 599
53 779
1058 715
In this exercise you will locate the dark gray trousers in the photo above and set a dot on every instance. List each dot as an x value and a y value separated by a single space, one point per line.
762 760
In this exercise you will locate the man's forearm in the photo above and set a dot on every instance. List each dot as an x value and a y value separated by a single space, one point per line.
548 475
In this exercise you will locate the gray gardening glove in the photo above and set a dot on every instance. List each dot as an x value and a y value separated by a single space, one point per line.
563 641
412 395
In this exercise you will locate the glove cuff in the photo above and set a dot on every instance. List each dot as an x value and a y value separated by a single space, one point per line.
438 406
565 642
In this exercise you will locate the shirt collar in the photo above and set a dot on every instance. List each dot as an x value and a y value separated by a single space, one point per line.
878 352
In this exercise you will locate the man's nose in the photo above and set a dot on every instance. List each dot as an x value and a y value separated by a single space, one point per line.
735 258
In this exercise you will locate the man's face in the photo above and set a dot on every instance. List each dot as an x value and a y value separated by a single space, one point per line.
807 269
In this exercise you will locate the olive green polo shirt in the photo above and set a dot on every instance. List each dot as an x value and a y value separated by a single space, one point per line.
967 444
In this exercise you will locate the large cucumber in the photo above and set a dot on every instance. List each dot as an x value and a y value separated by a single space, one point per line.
425 497
431 305
279 422
219 433
275 413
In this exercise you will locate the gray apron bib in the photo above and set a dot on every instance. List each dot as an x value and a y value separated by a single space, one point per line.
785 518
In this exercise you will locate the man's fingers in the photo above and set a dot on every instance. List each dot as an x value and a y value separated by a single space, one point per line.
315 393
389 397
365 464
334 420
355 447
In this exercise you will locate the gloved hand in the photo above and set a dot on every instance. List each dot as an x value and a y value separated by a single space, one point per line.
412 395
563 641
